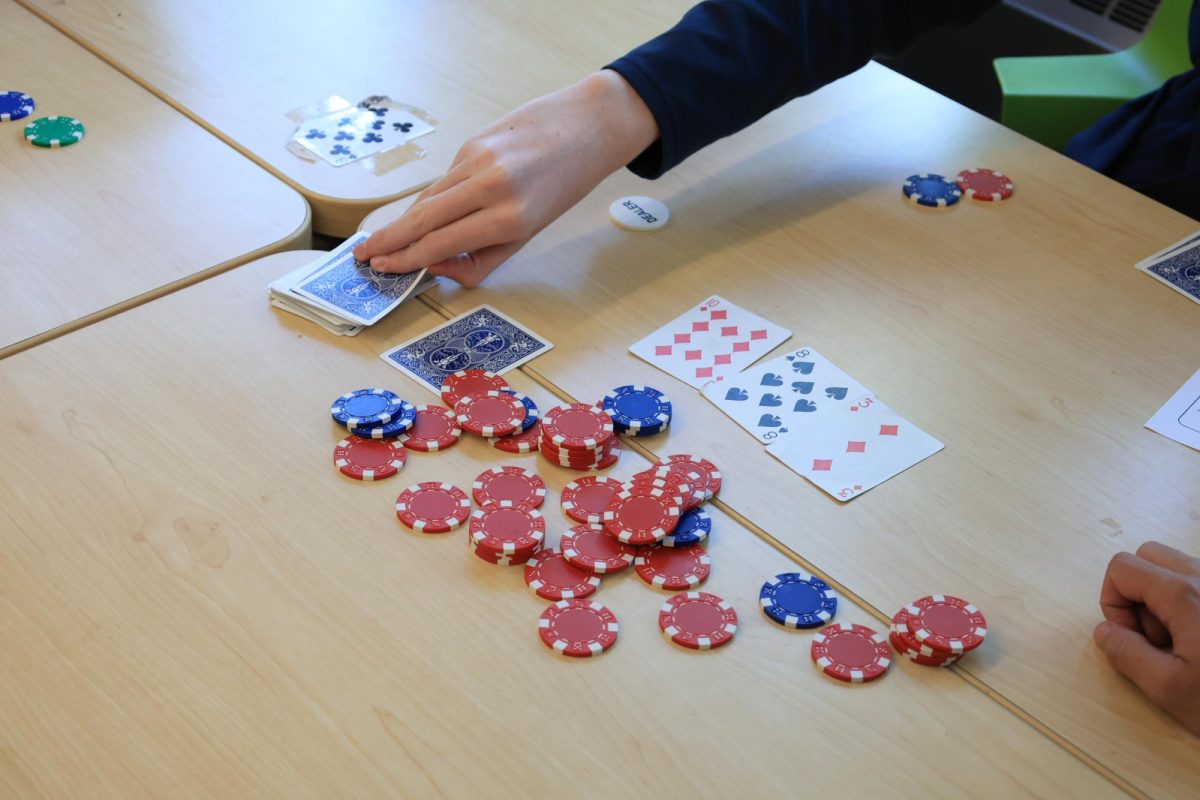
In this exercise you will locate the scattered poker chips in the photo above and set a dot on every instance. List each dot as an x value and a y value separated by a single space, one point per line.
586 499
433 507
15 105
368 459
944 624
985 184
531 409
525 441
642 515
578 628
670 483
434 428
698 620
509 486
590 548
469 381
54 131
797 600
851 653
368 408
489 413
551 576
929 189
515 531
673 568
693 527
637 410
699 472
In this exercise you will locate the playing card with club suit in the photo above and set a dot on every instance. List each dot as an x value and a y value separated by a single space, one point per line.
785 396
482 338
856 449
710 341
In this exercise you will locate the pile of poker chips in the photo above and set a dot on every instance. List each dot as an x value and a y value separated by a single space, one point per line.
937 630
637 410
51 132
935 191
374 417
579 436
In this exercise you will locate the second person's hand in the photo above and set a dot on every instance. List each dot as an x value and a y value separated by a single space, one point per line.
514 178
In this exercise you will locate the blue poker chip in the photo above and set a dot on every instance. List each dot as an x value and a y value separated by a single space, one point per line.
928 189
367 408
15 105
401 423
798 600
531 409
657 429
635 407
692 528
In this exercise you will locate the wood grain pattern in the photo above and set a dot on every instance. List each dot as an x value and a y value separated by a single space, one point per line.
1020 335
130 212
195 603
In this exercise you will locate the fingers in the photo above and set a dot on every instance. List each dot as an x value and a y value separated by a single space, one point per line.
469 269
1153 671
474 232
423 218
1170 558
1149 625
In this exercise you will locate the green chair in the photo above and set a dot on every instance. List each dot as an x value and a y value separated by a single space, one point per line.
1051 98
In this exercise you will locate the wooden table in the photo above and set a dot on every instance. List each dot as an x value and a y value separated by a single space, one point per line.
195 603
1020 335
146 203
237 68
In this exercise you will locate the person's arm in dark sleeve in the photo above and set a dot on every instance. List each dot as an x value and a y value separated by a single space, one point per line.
728 63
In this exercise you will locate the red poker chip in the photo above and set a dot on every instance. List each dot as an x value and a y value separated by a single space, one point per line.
509 486
433 507
925 657
851 653
946 624
577 426
433 429
369 459
642 515
699 472
578 628
671 483
590 548
698 620
673 568
553 577
586 499
469 381
501 559
507 529
489 413
985 184
587 464
519 443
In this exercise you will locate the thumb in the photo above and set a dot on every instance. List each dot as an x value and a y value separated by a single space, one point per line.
1149 668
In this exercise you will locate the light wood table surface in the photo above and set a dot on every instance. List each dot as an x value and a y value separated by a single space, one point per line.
239 67
146 203
1020 335
195 603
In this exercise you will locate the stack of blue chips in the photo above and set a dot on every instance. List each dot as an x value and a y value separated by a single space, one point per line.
374 413
637 410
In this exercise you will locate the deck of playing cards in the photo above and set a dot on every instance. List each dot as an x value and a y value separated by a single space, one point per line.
342 294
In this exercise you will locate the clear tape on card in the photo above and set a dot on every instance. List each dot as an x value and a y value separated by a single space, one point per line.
377 132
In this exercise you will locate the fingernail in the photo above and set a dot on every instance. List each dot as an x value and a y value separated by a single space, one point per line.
1101 631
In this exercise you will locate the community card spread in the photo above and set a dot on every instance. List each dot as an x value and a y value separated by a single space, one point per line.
1179 269
786 395
479 339
709 342
856 449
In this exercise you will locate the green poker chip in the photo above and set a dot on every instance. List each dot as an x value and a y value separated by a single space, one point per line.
54 131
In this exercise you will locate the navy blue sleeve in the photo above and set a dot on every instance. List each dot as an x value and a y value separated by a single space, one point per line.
729 62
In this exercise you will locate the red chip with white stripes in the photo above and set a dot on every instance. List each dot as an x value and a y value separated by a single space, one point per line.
507 530
577 426
578 628
698 620
369 459
489 413
433 507
589 547
673 568
433 429
519 443
586 499
553 577
469 381
509 486
642 515
699 472
851 653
